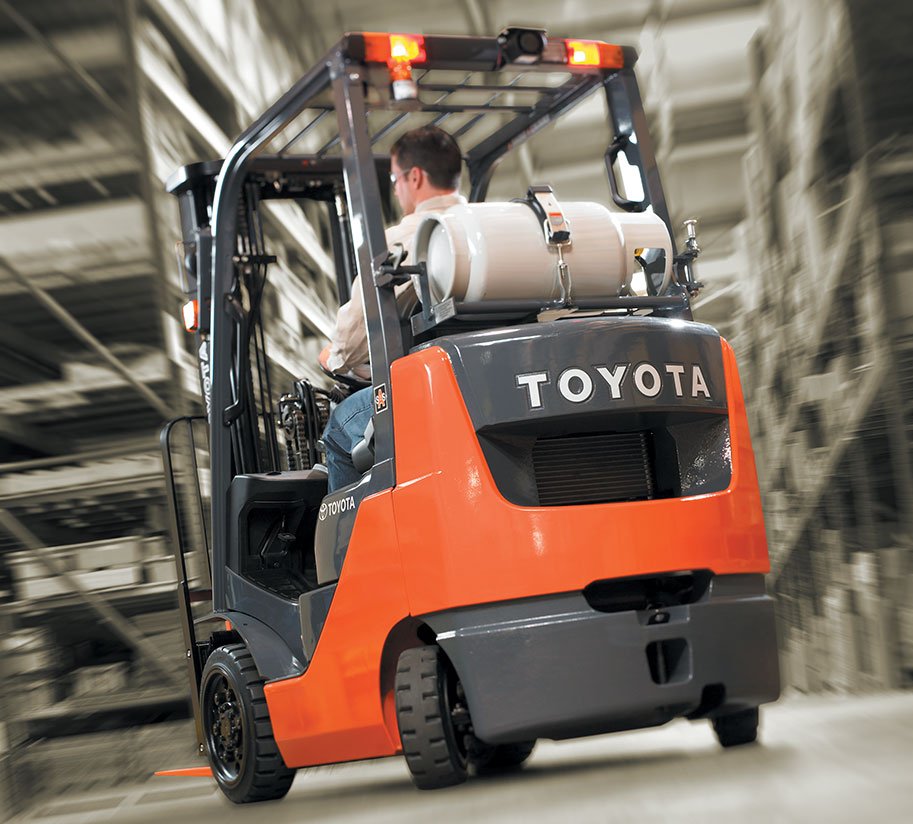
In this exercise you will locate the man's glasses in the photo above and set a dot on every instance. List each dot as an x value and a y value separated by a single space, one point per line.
394 178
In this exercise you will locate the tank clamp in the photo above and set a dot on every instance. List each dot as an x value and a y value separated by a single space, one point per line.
541 199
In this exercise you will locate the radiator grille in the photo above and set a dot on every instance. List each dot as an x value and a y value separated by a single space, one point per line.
593 469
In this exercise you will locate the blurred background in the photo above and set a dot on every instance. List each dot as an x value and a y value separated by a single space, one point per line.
785 127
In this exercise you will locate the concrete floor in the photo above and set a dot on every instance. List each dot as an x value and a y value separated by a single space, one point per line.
830 758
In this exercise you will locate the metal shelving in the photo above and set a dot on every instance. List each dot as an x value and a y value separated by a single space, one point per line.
94 359
827 343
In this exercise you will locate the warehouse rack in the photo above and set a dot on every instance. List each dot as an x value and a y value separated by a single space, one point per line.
93 362
829 322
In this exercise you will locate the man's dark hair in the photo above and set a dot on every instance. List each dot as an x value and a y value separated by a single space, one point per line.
433 150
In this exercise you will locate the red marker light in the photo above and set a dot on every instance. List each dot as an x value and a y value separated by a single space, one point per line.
191 315
594 53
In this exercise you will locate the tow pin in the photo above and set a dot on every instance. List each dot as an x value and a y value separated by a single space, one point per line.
658 617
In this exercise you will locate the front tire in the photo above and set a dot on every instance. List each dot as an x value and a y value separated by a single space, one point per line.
737 728
432 717
245 760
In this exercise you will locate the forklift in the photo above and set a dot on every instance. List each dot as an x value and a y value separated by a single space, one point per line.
558 529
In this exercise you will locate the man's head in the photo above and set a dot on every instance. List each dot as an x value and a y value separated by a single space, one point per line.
424 162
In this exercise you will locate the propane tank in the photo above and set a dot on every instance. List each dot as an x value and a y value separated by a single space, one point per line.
498 251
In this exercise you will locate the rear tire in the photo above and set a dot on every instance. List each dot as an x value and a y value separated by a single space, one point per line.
245 760
737 728
432 717
491 759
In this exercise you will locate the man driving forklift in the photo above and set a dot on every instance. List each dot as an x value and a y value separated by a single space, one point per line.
613 574
425 165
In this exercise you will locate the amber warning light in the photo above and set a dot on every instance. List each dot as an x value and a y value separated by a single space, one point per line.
191 314
594 53
399 52
381 47
407 48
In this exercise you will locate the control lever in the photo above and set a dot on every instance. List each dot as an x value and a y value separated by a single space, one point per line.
272 558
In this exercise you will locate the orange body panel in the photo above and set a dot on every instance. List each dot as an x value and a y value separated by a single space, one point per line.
334 711
444 537
463 543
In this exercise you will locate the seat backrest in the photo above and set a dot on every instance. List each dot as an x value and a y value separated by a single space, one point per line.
363 451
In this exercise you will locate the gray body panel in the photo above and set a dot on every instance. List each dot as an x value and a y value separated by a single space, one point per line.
335 522
553 667
594 375
273 654
277 647
314 607
487 365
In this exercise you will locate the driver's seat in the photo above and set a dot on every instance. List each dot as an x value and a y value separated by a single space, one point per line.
363 451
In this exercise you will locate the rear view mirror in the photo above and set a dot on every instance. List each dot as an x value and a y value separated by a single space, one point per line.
624 176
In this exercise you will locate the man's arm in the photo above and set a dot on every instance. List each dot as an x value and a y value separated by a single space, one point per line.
348 346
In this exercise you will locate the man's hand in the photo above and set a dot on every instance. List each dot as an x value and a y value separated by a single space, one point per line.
324 358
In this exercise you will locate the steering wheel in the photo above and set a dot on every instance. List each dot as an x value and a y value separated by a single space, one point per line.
349 380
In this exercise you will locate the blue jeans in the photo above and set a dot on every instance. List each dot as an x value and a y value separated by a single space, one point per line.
345 428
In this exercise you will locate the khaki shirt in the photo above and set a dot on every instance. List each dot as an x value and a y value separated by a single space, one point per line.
349 344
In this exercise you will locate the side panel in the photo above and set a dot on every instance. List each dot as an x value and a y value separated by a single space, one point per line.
335 522
276 616
463 543
270 651
334 712
744 469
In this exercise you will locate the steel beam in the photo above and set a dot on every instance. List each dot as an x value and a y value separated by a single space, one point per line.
30 436
120 626
119 450
86 79
88 338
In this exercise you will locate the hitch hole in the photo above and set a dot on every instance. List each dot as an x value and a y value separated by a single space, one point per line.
670 661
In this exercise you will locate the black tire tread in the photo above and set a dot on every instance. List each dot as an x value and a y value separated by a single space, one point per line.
430 753
735 729
270 779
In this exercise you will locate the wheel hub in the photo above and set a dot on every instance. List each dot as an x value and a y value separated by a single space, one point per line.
459 715
224 728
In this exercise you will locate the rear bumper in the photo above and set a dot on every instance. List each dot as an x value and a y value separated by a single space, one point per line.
553 667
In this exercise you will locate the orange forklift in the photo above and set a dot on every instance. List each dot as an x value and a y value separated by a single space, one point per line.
558 530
